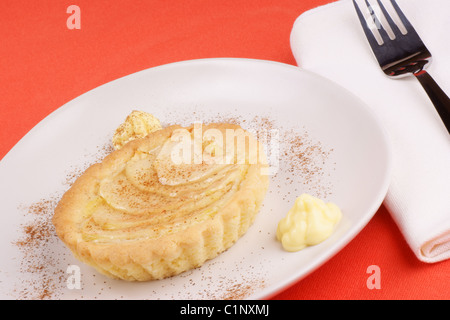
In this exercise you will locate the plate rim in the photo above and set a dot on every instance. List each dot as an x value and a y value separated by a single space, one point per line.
198 61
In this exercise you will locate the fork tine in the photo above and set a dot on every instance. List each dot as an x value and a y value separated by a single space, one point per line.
378 25
403 19
369 35
392 24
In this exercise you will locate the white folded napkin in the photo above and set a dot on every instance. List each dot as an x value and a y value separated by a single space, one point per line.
329 40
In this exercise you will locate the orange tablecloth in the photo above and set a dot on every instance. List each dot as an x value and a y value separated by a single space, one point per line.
44 64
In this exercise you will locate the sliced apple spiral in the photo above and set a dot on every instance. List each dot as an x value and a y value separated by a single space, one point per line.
165 203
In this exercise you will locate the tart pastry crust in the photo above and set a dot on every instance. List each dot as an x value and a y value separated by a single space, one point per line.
139 215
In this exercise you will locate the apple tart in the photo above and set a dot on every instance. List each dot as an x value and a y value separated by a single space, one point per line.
165 203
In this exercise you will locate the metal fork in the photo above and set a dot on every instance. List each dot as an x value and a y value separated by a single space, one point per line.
404 55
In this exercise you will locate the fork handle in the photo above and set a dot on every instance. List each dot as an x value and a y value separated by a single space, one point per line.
440 100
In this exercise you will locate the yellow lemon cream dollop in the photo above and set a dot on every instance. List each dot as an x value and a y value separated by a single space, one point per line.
138 124
309 222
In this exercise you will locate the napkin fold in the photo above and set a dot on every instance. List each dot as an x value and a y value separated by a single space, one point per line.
329 41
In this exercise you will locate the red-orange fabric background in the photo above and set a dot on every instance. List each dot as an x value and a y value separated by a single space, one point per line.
43 65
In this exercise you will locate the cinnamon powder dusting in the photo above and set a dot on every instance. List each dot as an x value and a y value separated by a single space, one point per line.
40 268
240 291
299 162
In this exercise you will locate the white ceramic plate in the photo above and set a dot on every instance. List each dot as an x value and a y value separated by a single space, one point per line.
320 138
